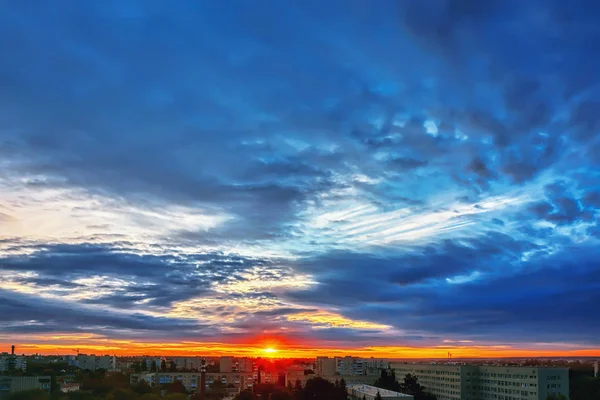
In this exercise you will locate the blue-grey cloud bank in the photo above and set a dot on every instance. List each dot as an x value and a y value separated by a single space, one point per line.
397 173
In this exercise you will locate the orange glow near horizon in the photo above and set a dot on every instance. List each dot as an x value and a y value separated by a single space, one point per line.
65 343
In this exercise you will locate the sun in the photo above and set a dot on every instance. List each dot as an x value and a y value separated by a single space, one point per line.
270 350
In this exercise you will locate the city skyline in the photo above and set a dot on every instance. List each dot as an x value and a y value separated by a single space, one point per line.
392 179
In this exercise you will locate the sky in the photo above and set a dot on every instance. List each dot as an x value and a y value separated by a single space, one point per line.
378 178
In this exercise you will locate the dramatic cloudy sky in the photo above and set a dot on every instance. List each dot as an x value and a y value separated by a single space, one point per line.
384 177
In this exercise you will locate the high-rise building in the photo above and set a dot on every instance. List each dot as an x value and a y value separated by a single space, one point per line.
470 382
94 362
226 364
192 380
325 366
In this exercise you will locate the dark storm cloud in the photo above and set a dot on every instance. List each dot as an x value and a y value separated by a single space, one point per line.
160 280
57 316
515 302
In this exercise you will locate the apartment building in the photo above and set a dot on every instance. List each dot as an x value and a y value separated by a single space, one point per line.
11 362
226 364
469 382
296 374
325 366
349 366
191 380
186 363
13 384
94 362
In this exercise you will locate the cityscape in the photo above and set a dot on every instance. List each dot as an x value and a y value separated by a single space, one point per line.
299 200
86 376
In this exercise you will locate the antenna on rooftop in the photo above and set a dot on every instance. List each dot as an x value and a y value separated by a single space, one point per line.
77 351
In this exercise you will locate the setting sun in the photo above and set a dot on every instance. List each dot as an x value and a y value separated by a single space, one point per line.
270 350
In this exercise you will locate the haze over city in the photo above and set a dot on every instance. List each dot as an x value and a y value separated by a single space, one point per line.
398 179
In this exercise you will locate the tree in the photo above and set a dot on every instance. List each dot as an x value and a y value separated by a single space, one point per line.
35 394
153 366
120 394
342 390
142 387
244 395
556 396
150 396
176 396
298 386
173 366
378 396
176 387
412 386
387 380
163 365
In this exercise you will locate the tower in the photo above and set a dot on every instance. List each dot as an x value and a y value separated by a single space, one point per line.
202 379
12 350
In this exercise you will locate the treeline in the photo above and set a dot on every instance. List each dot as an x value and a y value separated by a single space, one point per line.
321 389
116 386
315 389
409 385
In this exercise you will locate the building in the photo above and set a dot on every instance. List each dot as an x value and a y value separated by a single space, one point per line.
349 366
470 382
69 387
191 380
375 365
94 362
187 363
359 392
325 366
226 364
12 362
295 374
243 364
12 384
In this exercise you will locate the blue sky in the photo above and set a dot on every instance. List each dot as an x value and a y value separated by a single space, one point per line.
350 173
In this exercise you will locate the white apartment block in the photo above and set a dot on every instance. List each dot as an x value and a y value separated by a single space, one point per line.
469 382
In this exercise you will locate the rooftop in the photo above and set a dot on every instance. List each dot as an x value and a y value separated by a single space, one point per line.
372 391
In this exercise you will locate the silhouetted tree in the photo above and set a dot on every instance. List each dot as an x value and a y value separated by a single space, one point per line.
387 380
153 366
163 366
142 387
412 386
245 395
556 397
342 390
378 396
176 387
